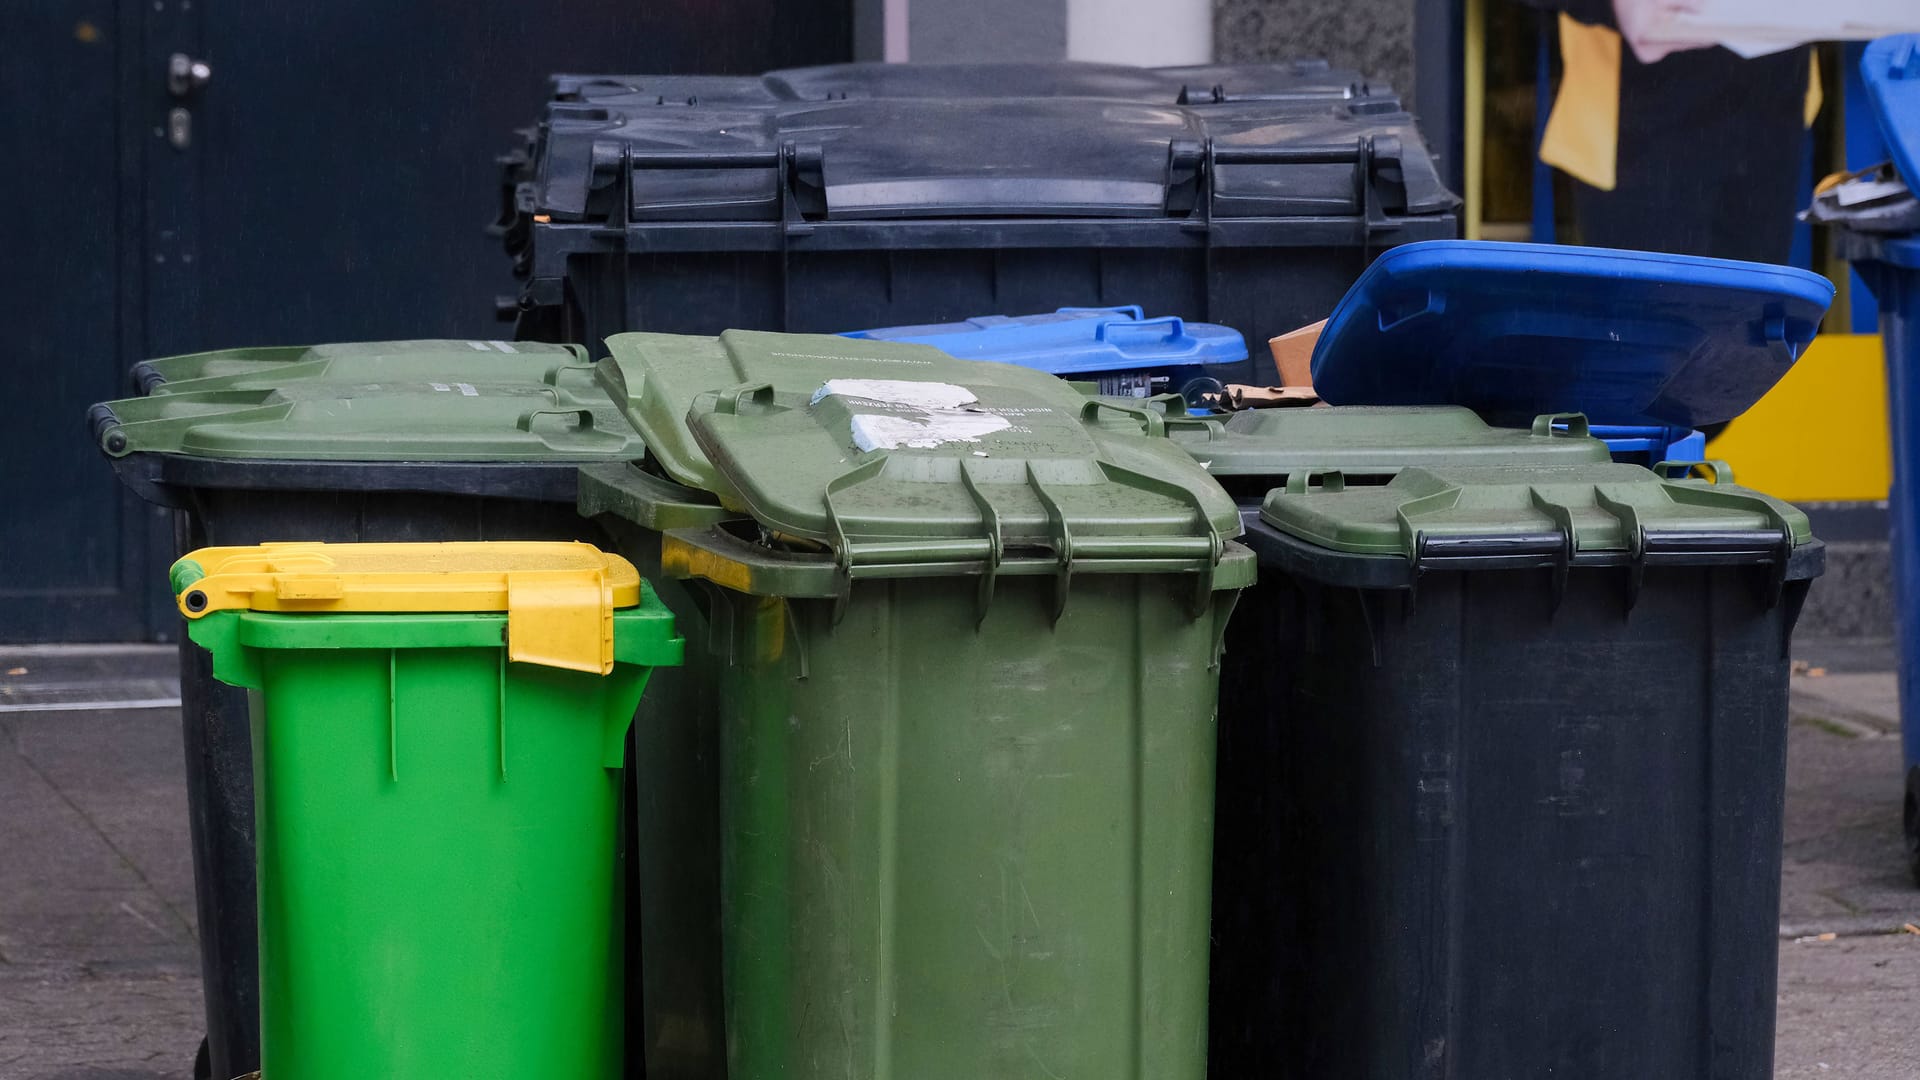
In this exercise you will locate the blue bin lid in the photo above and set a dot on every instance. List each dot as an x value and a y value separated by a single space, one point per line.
1891 69
1077 340
1516 330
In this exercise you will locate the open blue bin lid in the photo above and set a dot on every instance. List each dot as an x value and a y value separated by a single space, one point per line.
1075 340
1516 330
1890 68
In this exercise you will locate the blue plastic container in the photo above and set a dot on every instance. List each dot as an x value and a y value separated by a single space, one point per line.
1127 354
1890 265
1895 281
1515 330
1651 445
1890 68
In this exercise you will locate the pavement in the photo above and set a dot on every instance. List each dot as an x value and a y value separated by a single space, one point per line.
99 968
1849 971
99 976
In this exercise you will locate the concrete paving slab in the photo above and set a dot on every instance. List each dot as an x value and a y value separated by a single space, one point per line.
1847 1009
99 966
85 1026
1844 869
121 772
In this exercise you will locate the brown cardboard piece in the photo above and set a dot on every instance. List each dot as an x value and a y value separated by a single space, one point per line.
1293 354
1235 397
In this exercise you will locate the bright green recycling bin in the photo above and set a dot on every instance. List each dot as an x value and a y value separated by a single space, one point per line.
966 647
438 732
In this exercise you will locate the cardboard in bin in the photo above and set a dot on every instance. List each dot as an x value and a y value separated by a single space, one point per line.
1293 354
1238 397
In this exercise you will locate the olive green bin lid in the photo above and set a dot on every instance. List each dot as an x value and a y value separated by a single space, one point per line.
1376 440
655 378
860 459
426 361
1516 516
427 401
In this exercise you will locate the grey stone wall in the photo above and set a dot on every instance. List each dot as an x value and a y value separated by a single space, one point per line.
1375 36
986 30
1854 598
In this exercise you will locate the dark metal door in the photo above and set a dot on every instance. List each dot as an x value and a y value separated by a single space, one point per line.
346 150
73 545
195 174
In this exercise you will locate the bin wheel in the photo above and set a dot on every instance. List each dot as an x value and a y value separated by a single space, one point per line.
203 1062
1910 821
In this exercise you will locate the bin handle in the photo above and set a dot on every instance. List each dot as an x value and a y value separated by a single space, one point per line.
1300 481
728 401
1174 326
1174 412
1174 405
716 554
584 416
625 490
1548 424
1718 471
1154 423
552 377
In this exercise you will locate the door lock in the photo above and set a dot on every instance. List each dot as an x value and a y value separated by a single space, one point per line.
185 75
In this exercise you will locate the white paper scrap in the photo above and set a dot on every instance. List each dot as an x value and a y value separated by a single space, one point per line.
887 431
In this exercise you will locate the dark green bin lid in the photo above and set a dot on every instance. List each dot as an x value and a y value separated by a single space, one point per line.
656 378
431 401
1375 441
1430 515
923 477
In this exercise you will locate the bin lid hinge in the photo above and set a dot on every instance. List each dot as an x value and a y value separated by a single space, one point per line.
996 549
1634 531
979 548
843 553
1562 517
1062 541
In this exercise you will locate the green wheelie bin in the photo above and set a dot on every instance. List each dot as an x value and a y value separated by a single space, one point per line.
383 441
437 737
965 646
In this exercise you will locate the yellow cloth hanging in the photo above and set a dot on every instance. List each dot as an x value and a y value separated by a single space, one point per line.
1583 131
1816 97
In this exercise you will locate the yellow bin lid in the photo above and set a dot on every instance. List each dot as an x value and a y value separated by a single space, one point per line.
559 597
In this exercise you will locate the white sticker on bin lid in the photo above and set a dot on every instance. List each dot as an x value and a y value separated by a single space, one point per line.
916 395
933 428
925 414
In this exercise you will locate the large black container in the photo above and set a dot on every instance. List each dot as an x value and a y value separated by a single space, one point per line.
862 195
481 440
1501 770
